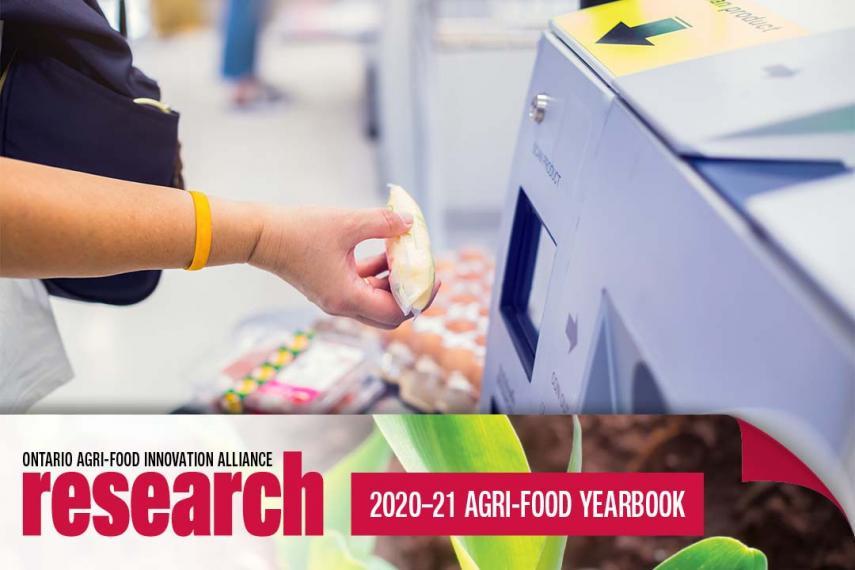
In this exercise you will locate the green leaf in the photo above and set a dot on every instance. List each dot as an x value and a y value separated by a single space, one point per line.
337 548
466 444
575 464
466 562
438 444
552 555
716 553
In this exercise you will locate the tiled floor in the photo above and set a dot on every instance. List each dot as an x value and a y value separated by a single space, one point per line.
308 150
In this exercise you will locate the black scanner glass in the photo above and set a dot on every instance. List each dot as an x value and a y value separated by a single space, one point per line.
529 266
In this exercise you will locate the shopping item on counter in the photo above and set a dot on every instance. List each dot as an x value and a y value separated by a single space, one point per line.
438 359
258 366
315 381
328 369
411 267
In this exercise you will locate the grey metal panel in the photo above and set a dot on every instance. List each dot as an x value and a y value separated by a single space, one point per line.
786 101
755 103
815 224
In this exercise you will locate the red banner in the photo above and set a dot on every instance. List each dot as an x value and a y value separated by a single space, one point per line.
766 459
578 504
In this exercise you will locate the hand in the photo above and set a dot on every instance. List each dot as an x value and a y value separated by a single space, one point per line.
313 249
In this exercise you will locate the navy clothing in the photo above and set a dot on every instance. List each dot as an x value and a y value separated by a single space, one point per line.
76 32
68 102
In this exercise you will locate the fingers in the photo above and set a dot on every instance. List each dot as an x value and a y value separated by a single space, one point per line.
377 304
377 307
379 283
379 223
375 324
372 266
369 268
369 299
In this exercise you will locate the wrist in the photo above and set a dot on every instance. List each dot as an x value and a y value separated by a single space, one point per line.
270 246
237 230
259 253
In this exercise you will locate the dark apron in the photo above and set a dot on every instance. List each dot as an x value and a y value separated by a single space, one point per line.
68 101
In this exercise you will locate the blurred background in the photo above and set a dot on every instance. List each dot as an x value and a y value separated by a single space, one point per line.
339 98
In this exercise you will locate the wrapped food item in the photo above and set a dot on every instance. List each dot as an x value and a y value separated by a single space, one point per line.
315 382
411 267
277 397
252 371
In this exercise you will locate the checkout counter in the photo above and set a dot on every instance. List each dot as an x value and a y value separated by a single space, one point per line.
678 230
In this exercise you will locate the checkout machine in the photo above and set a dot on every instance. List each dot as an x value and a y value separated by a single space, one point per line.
679 227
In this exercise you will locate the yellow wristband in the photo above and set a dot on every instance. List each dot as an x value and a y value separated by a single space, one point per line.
203 231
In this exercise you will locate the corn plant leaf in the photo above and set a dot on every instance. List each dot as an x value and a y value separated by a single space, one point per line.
466 444
716 553
337 548
552 555
449 443
466 562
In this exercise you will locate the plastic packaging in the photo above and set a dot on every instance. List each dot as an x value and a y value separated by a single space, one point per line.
274 363
411 267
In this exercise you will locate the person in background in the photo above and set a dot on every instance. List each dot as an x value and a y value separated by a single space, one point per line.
243 20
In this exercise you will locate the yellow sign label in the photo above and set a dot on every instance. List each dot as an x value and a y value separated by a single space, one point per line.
628 36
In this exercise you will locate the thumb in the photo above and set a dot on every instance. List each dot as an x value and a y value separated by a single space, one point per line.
380 223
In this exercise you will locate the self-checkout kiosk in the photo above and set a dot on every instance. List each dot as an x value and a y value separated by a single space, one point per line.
679 228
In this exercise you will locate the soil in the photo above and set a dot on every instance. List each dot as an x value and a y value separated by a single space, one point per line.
798 529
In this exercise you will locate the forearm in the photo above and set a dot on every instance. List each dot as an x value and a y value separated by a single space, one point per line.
59 223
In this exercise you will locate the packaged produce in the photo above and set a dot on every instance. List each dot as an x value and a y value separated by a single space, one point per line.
315 382
331 367
251 371
411 267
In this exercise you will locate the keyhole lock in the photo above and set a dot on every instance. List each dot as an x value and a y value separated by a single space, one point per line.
537 109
